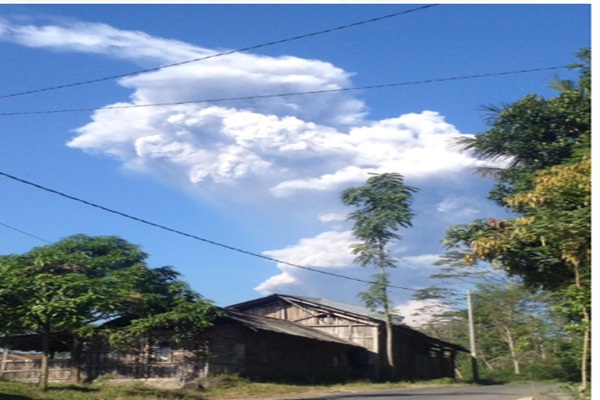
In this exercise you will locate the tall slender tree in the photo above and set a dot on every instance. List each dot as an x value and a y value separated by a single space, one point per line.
382 206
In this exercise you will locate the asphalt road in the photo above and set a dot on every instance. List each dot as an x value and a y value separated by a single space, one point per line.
492 392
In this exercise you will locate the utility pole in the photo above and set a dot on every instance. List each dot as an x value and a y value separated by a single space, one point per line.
472 339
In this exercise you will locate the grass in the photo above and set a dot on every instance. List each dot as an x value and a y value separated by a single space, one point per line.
230 388
101 391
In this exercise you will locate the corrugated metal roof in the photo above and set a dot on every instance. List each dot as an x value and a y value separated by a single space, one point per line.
283 326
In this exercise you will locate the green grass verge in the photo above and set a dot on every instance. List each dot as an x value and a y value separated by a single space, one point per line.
229 388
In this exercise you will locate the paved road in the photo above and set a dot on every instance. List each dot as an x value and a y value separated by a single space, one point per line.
492 392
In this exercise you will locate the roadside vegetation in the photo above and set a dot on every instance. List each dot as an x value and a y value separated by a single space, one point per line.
230 387
531 274
227 387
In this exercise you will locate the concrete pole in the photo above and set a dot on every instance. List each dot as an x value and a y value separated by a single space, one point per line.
474 365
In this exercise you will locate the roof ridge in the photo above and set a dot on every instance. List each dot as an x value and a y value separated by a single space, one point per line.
356 309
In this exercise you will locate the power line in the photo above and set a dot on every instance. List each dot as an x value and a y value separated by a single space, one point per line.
304 36
266 96
24 233
189 235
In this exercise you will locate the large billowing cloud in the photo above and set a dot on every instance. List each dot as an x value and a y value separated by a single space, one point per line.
271 148
328 250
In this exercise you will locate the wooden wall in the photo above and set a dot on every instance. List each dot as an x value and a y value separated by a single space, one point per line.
415 358
275 356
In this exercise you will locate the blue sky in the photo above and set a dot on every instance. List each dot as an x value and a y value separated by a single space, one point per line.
261 175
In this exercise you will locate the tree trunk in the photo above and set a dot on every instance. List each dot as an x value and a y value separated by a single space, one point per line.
45 356
76 347
513 351
5 352
586 351
389 347
586 335
487 363
389 333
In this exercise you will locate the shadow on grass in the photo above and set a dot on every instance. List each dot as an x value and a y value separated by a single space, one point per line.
487 382
172 394
74 388
5 396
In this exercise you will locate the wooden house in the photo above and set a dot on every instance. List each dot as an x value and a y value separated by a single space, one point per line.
278 349
416 355
237 343
277 338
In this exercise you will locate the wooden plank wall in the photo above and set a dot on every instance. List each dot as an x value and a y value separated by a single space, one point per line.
103 365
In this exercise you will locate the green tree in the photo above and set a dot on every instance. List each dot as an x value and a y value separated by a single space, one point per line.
556 216
66 286
382 206
72 285
162 302
534 133
547 184
518 332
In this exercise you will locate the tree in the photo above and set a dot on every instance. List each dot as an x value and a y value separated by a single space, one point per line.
547 184
556 216
163 302
79 281
382 206
66 287
518 332
534 133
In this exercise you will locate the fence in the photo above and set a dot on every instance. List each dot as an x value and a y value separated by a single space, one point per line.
60 370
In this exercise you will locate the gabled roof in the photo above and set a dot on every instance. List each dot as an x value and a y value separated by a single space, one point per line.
256 322
332 305
348 309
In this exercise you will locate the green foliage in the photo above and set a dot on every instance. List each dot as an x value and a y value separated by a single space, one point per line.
547 183
382 206
533 134
79 281
68 285
163 302
374 297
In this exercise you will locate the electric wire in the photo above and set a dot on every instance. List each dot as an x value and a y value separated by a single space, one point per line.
266 96
189 235
474 294
24 233
258 46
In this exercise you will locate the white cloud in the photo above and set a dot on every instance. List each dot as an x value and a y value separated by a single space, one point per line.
420 262
455 207
278 145
332 217
325 251
100 39
288 149
418 145
419 312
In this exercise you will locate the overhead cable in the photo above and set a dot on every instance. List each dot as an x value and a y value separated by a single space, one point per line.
189 235
24 233
258 46
266 96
